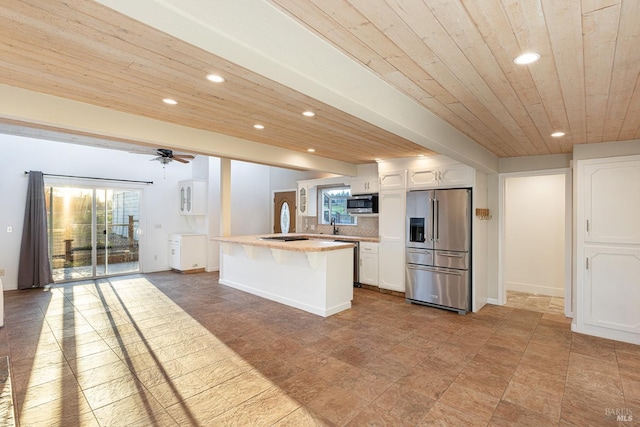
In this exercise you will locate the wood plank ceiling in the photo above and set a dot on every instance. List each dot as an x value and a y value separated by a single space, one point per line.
454 57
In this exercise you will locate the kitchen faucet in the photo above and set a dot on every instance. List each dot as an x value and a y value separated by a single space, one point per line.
335 229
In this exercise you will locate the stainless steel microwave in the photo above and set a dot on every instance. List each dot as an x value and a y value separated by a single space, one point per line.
362 204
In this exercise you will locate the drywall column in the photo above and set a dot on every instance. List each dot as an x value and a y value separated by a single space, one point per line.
225 197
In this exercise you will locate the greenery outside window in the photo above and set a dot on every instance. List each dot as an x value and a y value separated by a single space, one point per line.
333 202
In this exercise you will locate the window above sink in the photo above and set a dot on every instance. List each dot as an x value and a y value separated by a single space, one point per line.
333 205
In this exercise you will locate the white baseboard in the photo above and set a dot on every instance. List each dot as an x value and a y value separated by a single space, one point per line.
493 301
535 289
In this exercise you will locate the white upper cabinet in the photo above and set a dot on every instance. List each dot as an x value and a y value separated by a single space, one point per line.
393 180
193 197
612 202
453 175
364 185
307 203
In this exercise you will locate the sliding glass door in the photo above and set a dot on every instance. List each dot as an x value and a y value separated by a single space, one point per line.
93 232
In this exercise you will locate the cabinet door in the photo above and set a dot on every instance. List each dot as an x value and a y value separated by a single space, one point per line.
369 263
193 197
612 200
372 185
392 240
393 180
457 175
369 268
420 179
612 288
183 199
302 200
358 186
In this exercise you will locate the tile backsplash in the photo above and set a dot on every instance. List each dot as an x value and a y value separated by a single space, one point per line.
367 226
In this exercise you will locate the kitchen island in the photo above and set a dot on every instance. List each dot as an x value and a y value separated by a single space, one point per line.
314 275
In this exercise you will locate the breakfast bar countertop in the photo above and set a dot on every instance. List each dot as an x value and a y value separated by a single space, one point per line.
312 244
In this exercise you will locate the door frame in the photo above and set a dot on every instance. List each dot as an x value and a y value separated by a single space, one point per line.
293 210
93 184
568 231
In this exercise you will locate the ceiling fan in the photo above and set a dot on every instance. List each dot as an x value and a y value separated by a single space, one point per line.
165 156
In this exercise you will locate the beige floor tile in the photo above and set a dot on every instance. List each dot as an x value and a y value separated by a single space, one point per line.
543 402
200 353
302 417
112 391
445 416
468 400
336 405
243 387
508 414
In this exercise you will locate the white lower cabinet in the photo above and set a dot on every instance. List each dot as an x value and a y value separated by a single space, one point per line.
369 263
187 252
611 291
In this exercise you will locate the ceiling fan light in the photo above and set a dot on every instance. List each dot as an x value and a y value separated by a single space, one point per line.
527 58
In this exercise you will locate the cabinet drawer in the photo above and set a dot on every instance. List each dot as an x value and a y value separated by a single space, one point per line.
369 247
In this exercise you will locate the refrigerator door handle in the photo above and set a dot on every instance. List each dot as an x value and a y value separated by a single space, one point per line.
450 255
432 203
435 269
436 220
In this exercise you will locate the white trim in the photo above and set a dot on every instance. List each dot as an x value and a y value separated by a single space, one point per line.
493 301
502 178
536 289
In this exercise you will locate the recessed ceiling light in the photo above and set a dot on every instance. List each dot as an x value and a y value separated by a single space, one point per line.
170 101
527 58
258 126
557 134
215 78
311 150
309 114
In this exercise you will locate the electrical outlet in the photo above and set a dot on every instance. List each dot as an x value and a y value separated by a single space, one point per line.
1 271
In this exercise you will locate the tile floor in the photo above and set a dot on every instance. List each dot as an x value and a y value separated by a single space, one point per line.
167 349
534 302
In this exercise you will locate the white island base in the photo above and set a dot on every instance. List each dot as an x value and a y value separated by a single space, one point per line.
319 282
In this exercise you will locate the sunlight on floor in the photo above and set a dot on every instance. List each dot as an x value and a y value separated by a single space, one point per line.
131 353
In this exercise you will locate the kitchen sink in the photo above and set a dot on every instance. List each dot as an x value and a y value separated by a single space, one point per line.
284 238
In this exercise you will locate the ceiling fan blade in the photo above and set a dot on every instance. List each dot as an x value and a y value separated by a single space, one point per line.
155 158
183 156
178 159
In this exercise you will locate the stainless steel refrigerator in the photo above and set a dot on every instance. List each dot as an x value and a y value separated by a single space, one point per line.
438 248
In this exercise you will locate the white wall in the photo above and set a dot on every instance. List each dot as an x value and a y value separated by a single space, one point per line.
160 217
252 188
534 234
